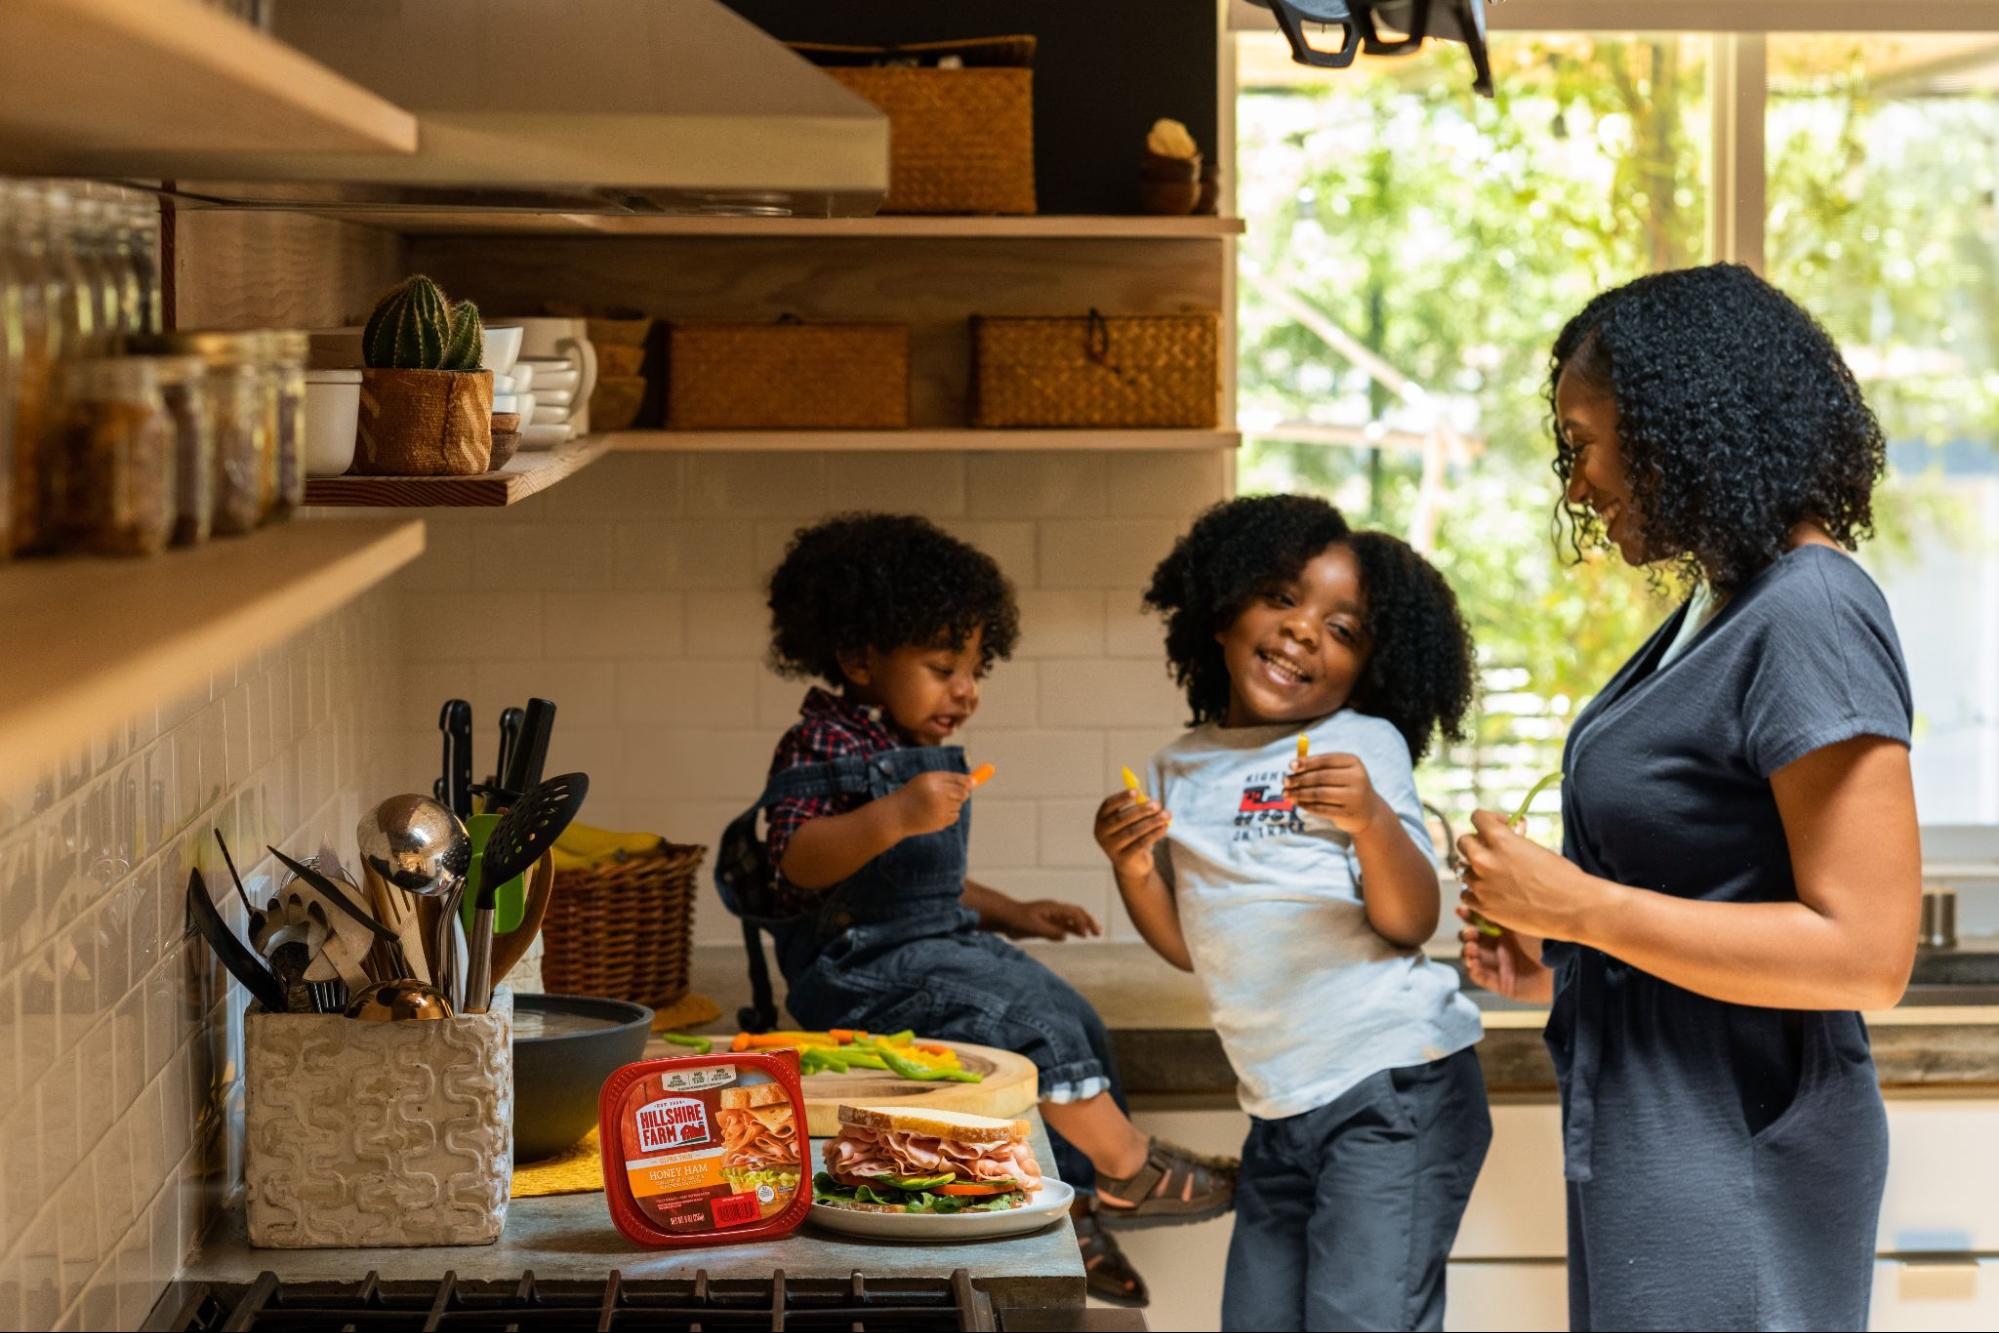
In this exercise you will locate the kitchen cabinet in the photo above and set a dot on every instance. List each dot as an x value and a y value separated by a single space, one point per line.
1934 1294
93 77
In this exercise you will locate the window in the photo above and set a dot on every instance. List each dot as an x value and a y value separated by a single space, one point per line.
1415 250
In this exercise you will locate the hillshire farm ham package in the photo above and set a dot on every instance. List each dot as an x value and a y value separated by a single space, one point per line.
704 1149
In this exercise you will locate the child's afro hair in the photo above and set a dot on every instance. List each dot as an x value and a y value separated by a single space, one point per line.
884 581
1419 672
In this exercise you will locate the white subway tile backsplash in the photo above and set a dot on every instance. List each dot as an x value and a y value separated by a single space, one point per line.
727 624
1106 693
614 625
620 486
1009 542
1131 631
753 485
113 1047
460 626
1046 763
584 694
1038 485
1005 833
1008 697
1059 623
1104 553
1068 839
681 763
553 557
1164 484
931 484
689 694
655 556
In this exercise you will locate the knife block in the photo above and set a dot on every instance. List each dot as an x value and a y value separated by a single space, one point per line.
366 1134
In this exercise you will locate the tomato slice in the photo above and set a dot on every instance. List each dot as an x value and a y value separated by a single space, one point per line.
967 1188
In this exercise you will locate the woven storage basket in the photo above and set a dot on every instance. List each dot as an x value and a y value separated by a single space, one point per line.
623 930
1097 370
959 140
787 375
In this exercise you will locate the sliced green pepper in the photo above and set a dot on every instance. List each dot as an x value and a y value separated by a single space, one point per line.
910 1069
700 1045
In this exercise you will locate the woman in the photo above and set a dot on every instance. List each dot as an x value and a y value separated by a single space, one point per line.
1740 868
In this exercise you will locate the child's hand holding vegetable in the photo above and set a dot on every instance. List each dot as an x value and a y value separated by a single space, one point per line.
1336 786
1128 824
931 801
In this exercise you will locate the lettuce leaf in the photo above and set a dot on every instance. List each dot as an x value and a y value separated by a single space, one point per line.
827 1189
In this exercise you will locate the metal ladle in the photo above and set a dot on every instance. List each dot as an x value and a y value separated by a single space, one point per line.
421 847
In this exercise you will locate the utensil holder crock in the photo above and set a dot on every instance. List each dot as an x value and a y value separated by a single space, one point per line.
370 1134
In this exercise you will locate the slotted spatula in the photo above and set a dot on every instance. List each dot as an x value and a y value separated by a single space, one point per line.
520 839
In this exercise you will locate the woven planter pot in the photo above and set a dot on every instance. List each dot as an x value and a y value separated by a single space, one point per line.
425 423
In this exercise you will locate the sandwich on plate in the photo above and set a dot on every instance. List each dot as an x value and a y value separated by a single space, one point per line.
759 1138
893 1161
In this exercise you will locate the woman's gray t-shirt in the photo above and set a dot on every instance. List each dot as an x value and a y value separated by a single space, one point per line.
1667 772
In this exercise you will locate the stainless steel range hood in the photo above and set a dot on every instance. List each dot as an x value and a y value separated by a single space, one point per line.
676 106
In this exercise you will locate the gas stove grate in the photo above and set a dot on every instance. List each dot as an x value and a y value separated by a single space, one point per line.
534 1306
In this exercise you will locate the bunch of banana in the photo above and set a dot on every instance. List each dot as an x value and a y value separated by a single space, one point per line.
582 847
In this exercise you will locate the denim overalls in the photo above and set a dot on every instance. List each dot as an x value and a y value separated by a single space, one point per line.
894 947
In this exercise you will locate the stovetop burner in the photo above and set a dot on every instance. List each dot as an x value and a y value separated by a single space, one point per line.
532 1305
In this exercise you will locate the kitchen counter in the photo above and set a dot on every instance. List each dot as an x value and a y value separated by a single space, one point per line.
571 1236
1944 1034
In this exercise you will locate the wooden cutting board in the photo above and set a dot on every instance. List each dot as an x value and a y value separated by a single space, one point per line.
1011 1086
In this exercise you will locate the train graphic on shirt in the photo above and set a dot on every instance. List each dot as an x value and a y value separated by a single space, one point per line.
1264 810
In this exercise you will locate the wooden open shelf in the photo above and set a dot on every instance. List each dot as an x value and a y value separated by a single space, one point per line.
878 441
87 639
525 474
1041 227
91 80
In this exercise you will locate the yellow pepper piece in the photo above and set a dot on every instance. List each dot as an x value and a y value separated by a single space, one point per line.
1132 784
1304 745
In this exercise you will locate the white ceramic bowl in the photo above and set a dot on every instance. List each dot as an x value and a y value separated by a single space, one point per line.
554 397
506 402
541 436
523 376
332 411
561 374
550 416
503 345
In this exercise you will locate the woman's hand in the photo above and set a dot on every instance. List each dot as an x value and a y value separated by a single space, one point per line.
1515 882
1127 827
1508 964
1047 919
1336 786
930 802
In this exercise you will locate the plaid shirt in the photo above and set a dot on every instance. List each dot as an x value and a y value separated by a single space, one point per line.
829 727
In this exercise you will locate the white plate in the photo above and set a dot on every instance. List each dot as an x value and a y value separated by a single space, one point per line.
1049 1206
536 436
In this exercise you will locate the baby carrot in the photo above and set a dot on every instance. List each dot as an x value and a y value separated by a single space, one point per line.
983 774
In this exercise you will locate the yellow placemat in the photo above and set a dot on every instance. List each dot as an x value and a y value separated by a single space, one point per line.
578 1170
690 1010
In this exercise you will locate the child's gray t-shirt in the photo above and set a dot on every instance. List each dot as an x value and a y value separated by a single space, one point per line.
1307 998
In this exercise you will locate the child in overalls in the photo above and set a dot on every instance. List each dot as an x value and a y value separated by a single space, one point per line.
863 884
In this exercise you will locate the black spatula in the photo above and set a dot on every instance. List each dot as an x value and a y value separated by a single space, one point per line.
523 834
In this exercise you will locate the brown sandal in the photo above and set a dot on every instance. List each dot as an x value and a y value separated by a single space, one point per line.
1106 1268
1173 1188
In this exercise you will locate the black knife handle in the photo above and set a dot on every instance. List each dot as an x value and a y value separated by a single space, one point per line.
531 753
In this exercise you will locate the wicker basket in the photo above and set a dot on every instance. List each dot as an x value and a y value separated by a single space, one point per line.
960 140
1097 370
623 930
788 375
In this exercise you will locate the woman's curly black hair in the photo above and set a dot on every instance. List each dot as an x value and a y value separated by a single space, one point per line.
884 581
1737 417
1419 670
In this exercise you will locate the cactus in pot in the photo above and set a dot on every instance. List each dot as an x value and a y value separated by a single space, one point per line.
426 406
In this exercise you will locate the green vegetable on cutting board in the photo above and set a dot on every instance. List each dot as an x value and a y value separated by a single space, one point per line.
1519 817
